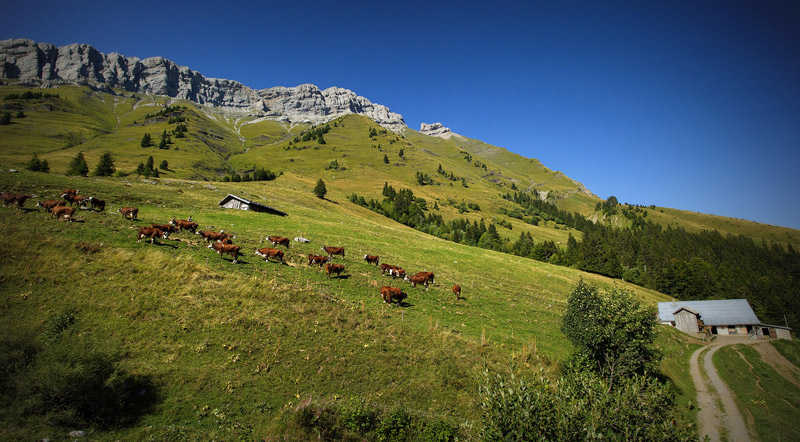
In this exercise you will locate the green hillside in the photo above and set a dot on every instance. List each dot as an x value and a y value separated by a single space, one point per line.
234 351
229 350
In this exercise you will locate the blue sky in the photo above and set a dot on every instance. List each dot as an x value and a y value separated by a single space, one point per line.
692 105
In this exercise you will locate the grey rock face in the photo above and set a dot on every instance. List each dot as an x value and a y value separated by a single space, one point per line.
436 130
45 64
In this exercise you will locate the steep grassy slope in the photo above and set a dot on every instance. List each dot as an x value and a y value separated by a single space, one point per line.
230 348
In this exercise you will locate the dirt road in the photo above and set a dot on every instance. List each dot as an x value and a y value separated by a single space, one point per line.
715 421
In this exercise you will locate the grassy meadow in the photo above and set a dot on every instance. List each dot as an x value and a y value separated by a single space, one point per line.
229 349
768 402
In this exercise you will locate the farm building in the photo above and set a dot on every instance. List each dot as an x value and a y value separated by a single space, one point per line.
237 202
718 317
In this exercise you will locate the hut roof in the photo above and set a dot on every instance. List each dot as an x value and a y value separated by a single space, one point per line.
255 206
713 312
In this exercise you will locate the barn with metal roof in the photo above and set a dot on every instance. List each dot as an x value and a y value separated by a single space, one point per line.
718 317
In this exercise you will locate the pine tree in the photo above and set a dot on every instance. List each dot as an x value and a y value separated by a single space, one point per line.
34 165
320 190
164 165
141 169
401 153
149 163
155 173
44 167
146 141
78 166
5 119
385 159
106 166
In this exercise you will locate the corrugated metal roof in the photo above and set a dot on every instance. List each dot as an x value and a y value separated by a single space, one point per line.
712 312
254 205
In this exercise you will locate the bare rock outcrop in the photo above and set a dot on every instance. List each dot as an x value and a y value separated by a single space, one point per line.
45 64
436 130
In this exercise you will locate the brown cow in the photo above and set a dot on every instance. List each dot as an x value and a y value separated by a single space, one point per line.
184 224
269 252
387 268
67 212
372 259
17 198
214 236
69 192
129 212
276 240
97 204
226 241
334 268
390 294
48 205
333 250
417 279
78 200
427 275
316 259
150 232
457 291
165 227
397 272
228 249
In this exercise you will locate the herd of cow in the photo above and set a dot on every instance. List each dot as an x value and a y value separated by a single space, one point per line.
222 242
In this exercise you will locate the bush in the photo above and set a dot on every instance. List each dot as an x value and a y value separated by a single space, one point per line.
580 406
58 324
355 416
396 426
612 331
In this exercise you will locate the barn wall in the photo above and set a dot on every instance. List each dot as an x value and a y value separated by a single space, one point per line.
686 322
781 333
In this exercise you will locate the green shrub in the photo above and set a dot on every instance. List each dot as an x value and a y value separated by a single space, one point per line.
58 324
395 427
355 416
438 431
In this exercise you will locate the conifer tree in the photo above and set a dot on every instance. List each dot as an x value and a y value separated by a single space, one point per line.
320 190
164 165
106 166
149 164
146 141
385 159
77 166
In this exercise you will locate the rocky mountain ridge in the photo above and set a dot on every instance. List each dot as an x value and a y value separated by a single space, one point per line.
45 64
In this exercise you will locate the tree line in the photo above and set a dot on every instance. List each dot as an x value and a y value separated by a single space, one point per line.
687 265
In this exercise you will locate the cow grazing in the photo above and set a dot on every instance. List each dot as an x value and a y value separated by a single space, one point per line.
334 268
184 224
150 232
213 236
391 294
269 252
372 259
316 259
397 272
417 279
428 275
129 212
66 212
165 227
97 204
387 268
15 198
48 205
278 240
333 250
457 291
69 192
228 249
226 241
77 200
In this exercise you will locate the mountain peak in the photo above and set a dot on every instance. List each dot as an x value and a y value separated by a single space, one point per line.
45 64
